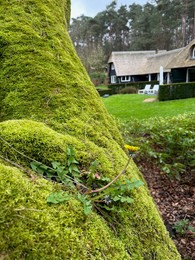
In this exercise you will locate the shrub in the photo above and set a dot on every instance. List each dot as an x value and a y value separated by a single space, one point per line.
128 90
171 147
97 78
138 85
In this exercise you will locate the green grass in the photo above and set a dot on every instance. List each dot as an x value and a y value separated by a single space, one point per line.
125 107
102 87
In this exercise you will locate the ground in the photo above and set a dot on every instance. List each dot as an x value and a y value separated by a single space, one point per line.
149 99
175 201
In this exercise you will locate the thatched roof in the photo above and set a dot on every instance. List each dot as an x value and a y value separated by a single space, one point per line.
130 62
149 62
183 58
154 62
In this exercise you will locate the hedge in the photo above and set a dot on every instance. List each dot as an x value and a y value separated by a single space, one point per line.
176 91
103 92
138 85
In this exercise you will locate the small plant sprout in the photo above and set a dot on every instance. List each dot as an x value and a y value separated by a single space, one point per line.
108 193
182 227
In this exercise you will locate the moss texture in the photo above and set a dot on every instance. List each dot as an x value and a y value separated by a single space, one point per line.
47 102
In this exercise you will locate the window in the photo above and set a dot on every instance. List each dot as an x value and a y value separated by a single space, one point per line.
113 79
193 53
125 78
112 66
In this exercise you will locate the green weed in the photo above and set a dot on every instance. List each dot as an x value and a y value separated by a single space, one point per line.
107 195
182 227
169 142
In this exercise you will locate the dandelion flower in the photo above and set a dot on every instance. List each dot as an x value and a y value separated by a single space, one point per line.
131 149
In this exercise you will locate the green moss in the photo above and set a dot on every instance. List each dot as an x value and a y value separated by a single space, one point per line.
139 228
46 103
46 145
36 230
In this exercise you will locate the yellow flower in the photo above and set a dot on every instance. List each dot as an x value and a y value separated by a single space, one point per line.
131 149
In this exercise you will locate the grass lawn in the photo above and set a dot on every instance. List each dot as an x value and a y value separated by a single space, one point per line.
102 87
126 106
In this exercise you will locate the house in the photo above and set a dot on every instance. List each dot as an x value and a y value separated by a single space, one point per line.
134 66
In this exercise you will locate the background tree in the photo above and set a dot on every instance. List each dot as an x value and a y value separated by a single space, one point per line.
143 26
159 24
116 33
169 28
188 20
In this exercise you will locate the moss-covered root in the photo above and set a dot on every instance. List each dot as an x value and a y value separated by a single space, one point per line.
32 229
139 231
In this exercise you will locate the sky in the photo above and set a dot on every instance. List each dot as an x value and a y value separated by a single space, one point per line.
92 7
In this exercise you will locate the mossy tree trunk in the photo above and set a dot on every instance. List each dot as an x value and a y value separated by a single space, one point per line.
47 102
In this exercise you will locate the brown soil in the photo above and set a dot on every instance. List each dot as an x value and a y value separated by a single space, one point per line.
175 201
149 99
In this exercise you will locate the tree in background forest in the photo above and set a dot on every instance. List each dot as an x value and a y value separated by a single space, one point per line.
159 24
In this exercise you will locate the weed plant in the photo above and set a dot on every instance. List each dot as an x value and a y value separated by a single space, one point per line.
170 142
182 227
102 192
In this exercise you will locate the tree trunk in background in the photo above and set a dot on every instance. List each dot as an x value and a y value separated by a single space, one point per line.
47 102
194 26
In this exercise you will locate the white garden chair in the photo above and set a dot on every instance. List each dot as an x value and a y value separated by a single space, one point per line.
154 90
145 90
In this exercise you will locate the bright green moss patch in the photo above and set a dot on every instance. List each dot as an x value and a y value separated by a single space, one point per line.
47 102
36 230
43 144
